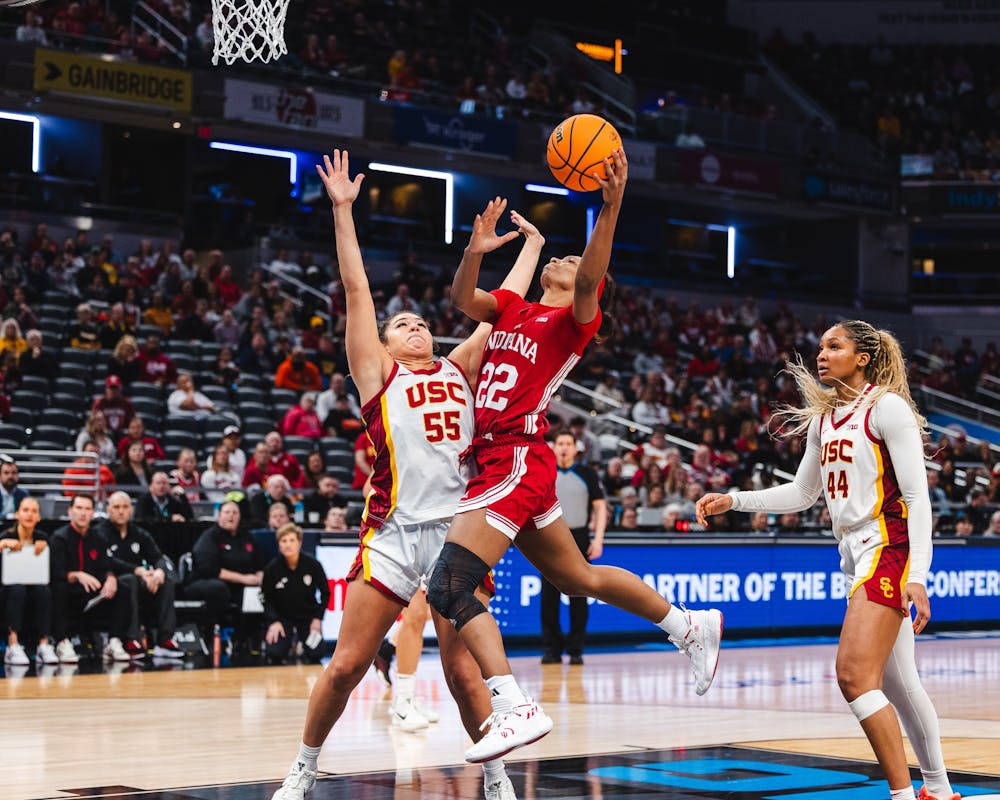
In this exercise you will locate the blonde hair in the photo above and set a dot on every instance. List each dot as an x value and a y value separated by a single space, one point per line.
885 370
287 528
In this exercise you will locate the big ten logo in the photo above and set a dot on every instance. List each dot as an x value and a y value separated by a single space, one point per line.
338 591
435 392
297 107
836 450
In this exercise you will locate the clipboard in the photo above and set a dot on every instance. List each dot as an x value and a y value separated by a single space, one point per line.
253 600
24 567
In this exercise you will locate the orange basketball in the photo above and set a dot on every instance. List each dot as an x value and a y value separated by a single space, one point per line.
577 148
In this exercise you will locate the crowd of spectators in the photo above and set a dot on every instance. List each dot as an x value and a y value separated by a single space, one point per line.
941 102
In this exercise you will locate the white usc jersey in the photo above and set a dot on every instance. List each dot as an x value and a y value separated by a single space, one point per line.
420 425
859 478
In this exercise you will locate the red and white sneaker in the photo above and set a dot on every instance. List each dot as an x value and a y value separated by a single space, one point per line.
923 794
135 649
701 644
168 649
509 730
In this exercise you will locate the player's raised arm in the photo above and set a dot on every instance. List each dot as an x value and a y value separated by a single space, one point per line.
367 359
597 254
469 354
465 295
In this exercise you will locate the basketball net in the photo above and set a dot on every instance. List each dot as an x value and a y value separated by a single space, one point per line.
248 30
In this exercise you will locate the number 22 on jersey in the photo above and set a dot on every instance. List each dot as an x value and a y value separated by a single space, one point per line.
494 381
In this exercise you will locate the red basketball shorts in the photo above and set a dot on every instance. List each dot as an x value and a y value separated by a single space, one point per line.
877 557
516 485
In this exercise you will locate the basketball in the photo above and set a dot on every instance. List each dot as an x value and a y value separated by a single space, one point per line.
577 148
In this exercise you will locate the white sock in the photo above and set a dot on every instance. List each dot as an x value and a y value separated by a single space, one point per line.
504 693
406 687
494 771
675 623
308 755
937 784
902 686
906 793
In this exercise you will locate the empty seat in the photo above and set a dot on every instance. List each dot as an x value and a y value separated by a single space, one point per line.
11 432
34 401
182 423
145 389
24 417
73 369
64 418
35 383
55 433
339 459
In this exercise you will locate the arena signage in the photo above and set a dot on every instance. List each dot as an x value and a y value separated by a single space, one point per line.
454 132
122 81
723 171
776 586
824 187
294 107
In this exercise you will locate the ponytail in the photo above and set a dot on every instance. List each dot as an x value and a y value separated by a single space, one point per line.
885 370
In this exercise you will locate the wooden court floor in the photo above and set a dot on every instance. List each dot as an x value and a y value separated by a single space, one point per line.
150 730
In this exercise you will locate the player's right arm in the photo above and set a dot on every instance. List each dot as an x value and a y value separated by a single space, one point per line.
798 495
367 359
466 296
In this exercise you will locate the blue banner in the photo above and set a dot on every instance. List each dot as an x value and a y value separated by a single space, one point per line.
454 131
755 586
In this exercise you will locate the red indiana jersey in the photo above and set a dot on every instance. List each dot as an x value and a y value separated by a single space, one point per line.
528 355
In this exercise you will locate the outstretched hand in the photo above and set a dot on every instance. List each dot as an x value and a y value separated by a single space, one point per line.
712 503
484 238
531 233
336 178
613 186
916 594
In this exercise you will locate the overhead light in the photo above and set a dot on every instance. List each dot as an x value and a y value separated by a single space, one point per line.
175 125
36 135
731 251
449 189
541 189
293 160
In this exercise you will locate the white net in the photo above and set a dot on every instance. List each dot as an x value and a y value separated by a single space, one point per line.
248 30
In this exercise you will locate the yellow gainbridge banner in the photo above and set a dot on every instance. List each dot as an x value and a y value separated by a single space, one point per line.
112 80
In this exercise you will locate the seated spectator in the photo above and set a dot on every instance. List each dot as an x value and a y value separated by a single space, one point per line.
689 138
256 472
155 366
84 334
117 409
36 360
11 339
231 438
124 362
297 373
11 494
628 520
225 560
79 476
335 520
614 479
95 430
163 503
790 522
705 472
186 401
81 571
963 525
275 492
760 522
159 313
674 517
277 515
226 372
978 510
220 478
144 573
313 469
628 497
134 468
227 330
296 594
256 359
24 601
649 410
326 496
135 433
115 327
937 494
281 461
229 292
32 31
993 530
328 399
301 419
185 475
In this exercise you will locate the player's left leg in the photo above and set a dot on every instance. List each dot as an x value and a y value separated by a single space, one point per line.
409 645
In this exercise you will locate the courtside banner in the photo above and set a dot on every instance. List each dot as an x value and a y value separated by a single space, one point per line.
294 107
120 81
777 586
454 131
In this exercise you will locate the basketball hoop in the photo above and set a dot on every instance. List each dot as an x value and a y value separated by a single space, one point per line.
248 30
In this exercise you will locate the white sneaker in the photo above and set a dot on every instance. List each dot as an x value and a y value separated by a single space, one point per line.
46 654
701 645
114 650
521 725
501 790
65 652
298 781
405 716
428 714
15 656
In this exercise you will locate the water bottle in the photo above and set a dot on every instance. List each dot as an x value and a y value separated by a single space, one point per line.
300 511
216 645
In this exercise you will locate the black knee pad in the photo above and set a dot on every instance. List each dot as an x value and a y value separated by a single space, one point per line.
451 590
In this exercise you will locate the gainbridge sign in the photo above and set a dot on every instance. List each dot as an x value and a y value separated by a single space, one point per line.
121 81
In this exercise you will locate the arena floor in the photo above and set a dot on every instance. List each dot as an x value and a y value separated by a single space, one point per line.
628 725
